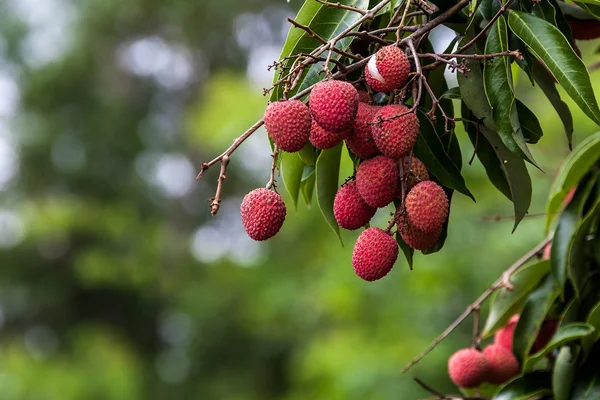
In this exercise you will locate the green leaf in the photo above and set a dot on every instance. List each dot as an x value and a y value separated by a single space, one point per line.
546 83
532 131
497 79
576 165
308 154
452 93
430 150
307 185
548 43
325 21
586 385
505 303
565 334
576 268
533 385
593 318
327 172
291 168
406 249
592 7
564 371
533 315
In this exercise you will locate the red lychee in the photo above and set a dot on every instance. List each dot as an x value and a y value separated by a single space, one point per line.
415 238
417 173
350 210
363 96
333 104
585 29
360 140
387 70
395 136
374 254
322 139
263 212
503 365
377 180
468 368
427 206
288 124
504 336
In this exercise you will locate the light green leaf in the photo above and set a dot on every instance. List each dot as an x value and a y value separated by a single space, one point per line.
307 185
327 172
291 168
548 43
564 371
565 334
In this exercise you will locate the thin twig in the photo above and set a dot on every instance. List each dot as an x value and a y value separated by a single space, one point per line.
502 281
271 182
342 6
476 338
215 203
503 8
315 35
431 390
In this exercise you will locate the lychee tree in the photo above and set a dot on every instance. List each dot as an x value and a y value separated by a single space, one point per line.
362 75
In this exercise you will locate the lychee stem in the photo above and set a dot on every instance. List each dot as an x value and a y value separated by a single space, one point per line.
271 183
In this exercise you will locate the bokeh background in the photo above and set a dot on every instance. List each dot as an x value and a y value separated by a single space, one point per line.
115 282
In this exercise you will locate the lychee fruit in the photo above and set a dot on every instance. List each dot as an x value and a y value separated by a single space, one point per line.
427 206
377 181
503 365
322 139
360 140
333 104
415 238
374 254
387 70
263 212
417 173
350 210
364 97
468 368
504 336
545 334
288 124
395 136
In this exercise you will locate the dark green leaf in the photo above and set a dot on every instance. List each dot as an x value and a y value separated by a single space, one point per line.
532 131
452 93
533 315
529 386
546 83
406 249
307 185
430 150
326 22
327 172
565 334
577 271
291 168
593 318
497 79
506 303
564 371
591 6
561 22
573 169
548 43
586 385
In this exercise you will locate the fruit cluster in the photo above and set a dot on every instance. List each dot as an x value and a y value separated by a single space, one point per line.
496 364
383 138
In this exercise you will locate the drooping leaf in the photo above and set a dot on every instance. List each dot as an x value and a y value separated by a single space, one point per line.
406 250
565 334
591 6
593 319
536 307
325 21
532 385
564 371
548 43
291 168
309 154
576 268
576 165
452 94
307 185
532 130
586 385
430 150
546 83
506 303
497 80
327 172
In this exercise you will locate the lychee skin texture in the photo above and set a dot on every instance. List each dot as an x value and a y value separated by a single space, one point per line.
350 210
395 137
387 70
263 212
322 139
374 254
363 96
288 124
415 238
468 368
377 180
333 104
360 140
427 206
503 365
504 337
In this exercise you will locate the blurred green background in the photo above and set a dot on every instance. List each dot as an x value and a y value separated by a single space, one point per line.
115 282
